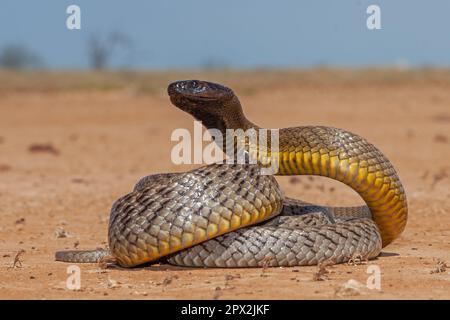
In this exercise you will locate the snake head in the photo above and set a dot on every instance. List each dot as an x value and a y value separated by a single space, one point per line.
189 95
197 90
215 105
200 97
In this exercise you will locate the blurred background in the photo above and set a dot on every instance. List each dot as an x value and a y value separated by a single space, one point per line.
203 34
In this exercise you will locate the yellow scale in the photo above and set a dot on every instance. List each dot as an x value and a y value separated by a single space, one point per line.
382 194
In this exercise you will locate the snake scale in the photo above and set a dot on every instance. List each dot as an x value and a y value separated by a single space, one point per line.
231 215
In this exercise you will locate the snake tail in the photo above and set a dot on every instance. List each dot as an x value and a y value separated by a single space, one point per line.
82 256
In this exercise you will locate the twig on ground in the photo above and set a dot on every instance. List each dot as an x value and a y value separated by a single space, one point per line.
322 272
18 259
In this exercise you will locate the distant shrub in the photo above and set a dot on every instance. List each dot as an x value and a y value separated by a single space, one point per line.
17 57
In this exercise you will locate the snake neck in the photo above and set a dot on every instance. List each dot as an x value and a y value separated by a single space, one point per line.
222 116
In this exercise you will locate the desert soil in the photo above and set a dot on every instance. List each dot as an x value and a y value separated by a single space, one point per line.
70 144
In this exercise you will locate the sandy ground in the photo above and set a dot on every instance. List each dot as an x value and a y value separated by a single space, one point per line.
70 146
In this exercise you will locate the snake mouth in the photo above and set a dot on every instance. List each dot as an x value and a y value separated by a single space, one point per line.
197 90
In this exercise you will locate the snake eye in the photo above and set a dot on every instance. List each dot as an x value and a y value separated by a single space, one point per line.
196 87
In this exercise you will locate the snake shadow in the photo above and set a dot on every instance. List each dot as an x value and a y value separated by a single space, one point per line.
388 254
162 266
154 267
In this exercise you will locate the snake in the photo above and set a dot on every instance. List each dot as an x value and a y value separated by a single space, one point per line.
231 215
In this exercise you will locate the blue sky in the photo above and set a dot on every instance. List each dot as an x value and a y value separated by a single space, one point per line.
171 34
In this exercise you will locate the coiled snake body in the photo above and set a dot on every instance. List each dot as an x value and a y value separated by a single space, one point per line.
230 215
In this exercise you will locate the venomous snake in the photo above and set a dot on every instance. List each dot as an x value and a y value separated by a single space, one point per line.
231 215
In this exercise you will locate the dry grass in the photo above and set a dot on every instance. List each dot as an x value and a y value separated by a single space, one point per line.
247 82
